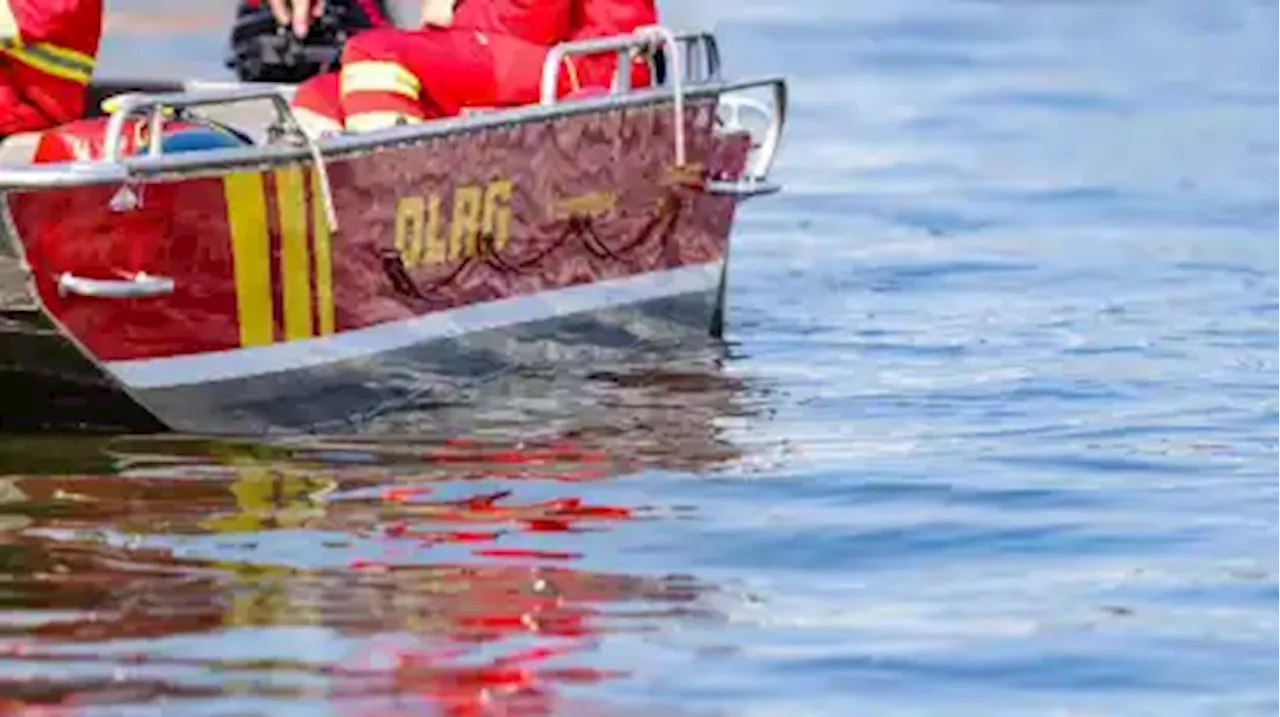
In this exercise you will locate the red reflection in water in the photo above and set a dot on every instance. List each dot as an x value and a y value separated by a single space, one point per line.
516 683
497 603
488 587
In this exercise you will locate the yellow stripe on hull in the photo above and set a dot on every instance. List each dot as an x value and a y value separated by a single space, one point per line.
295 254
251 253
323 257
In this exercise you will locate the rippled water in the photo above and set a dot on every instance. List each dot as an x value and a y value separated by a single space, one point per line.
994 431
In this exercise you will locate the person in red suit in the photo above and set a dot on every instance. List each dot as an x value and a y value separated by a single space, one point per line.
269 38
488 53
48 49
270 43
317 104
604 18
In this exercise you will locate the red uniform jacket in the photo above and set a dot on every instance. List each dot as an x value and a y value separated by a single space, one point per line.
47 54
601 18
503 70
604 18
542 22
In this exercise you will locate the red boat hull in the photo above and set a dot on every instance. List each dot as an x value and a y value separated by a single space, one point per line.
454 258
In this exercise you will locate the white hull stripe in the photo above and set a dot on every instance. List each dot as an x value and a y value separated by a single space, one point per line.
382 338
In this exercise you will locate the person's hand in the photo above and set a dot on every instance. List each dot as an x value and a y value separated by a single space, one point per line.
436 12
296 14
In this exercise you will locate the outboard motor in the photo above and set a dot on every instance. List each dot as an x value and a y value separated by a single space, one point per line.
263 51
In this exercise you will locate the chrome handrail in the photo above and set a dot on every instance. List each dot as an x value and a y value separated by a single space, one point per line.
623 44
129 104
140 285
773 135
754 180
126 105
643 37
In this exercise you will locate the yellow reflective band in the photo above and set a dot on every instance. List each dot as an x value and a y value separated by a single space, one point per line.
68 56
379 77
53 60
10 33
371 121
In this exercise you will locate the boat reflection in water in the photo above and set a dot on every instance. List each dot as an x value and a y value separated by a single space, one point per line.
381 576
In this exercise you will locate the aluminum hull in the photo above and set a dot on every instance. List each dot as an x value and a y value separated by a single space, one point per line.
48 383
293 285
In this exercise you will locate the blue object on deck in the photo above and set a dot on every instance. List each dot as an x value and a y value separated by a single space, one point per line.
194 139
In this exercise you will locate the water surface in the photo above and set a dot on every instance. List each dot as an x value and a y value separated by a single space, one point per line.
993 431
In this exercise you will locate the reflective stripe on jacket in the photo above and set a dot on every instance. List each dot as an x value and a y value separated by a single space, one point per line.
57 37
48 49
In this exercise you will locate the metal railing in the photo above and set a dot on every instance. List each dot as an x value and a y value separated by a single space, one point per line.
643 38
691 61
159 105
754 180
678 49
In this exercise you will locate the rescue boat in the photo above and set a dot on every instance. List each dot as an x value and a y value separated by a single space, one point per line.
189 259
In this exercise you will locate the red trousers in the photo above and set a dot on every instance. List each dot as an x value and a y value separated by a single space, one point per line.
388 75
392 75
317 104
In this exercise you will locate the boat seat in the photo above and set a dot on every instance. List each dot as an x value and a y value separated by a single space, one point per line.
18 149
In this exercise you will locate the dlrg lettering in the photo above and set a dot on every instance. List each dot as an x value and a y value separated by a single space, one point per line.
424 237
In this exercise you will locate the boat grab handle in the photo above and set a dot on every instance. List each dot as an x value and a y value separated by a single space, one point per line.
755 178
129 104
623 44
141 285
773 133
